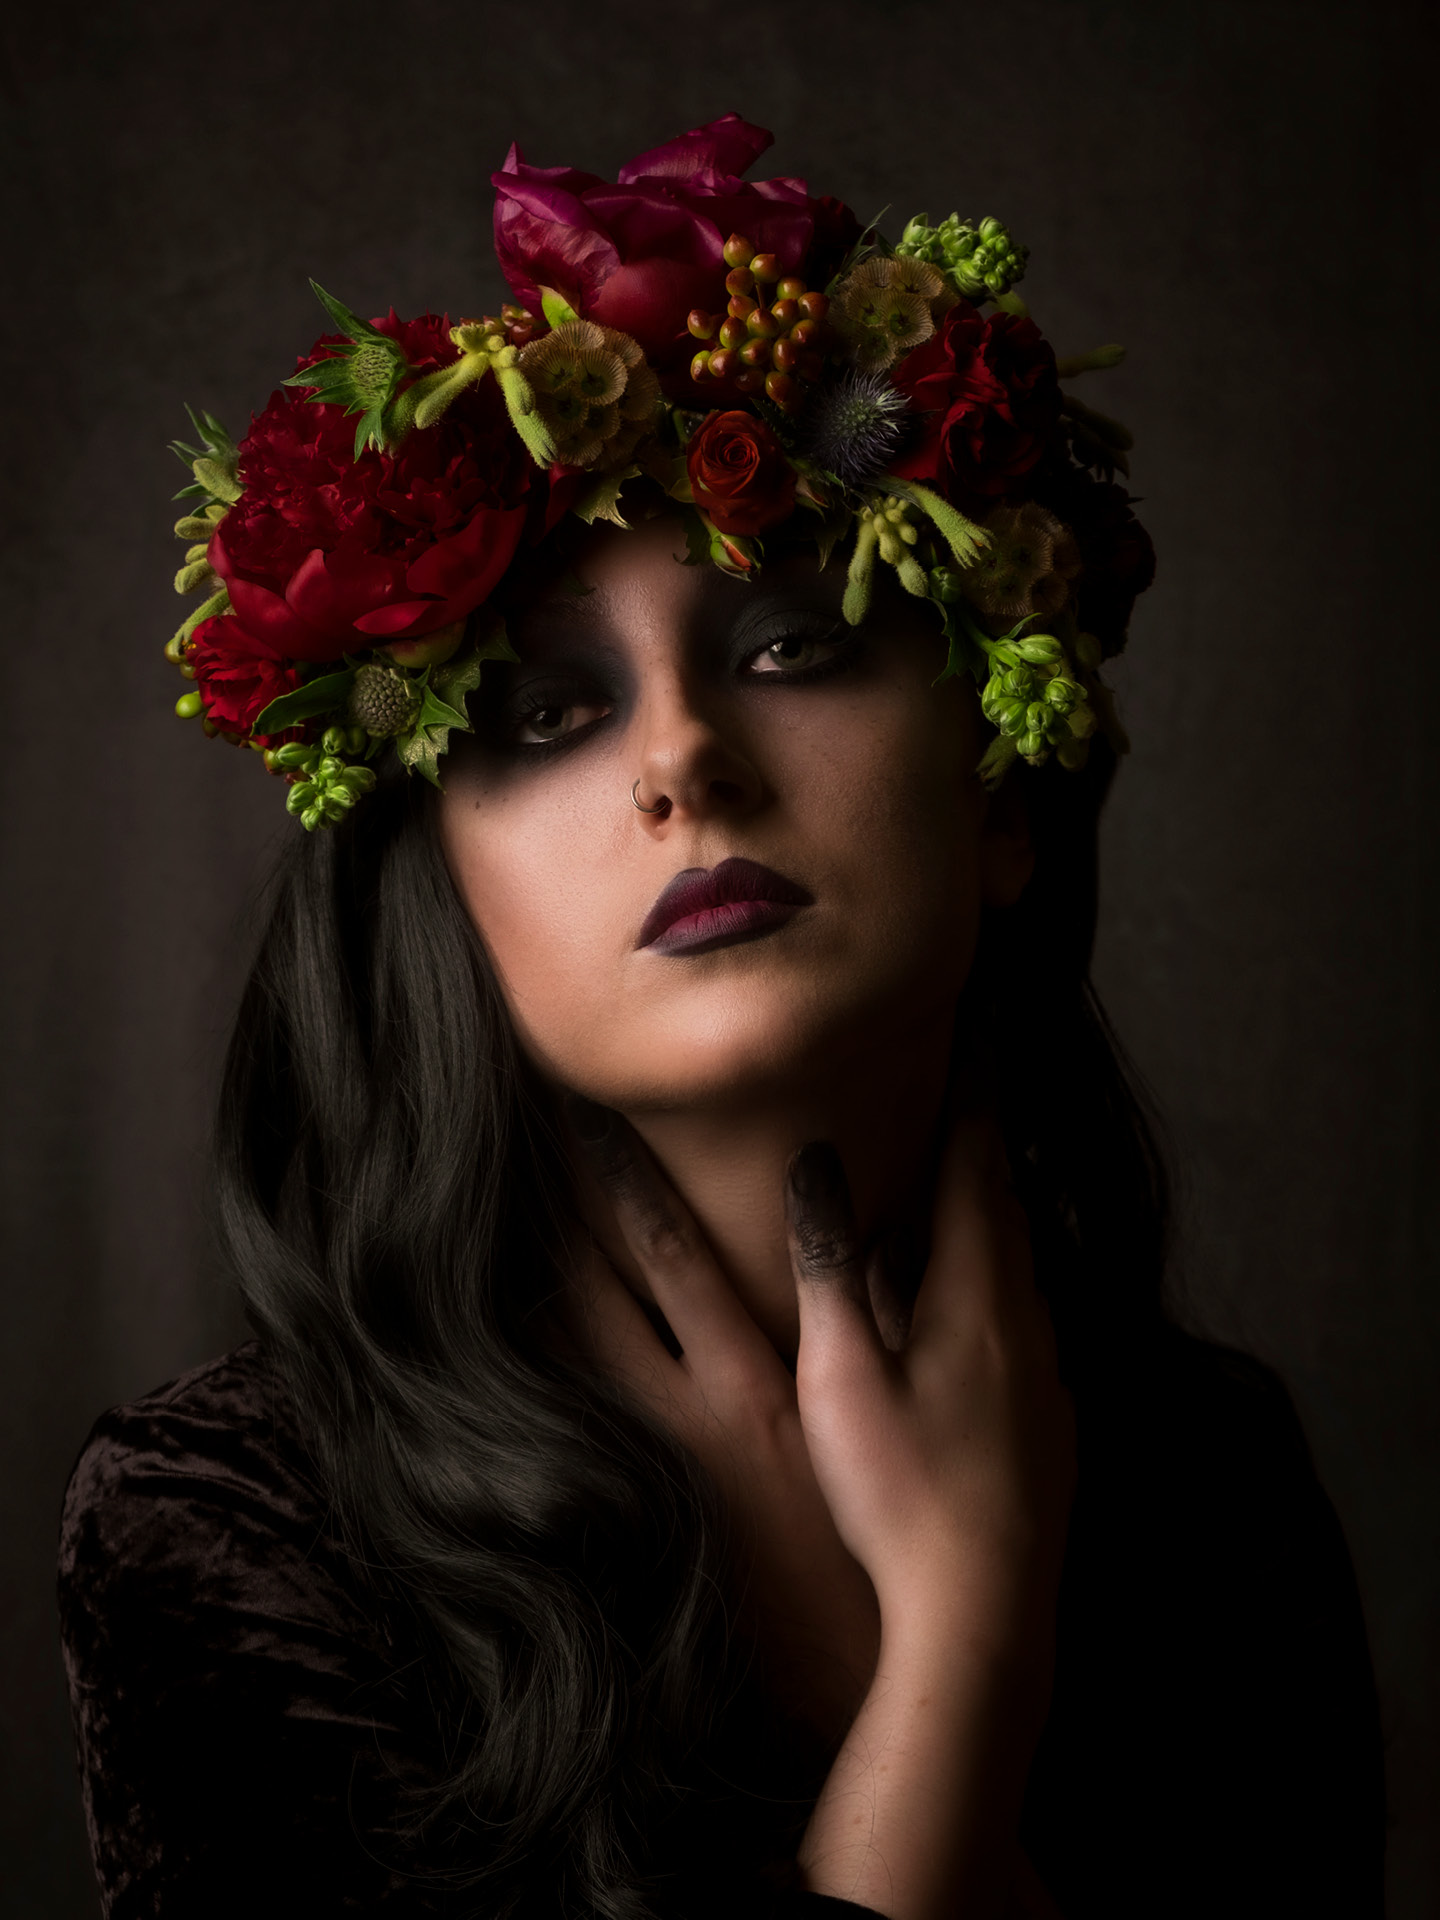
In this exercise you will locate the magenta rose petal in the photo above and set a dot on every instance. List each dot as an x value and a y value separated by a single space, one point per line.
728 145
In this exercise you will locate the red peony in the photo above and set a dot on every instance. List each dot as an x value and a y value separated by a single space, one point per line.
990 402
739 473
236 681
640 254
324 554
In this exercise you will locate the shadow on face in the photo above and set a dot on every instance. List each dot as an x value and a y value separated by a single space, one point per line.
820 762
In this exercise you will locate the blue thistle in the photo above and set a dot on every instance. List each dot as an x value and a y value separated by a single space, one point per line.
855 428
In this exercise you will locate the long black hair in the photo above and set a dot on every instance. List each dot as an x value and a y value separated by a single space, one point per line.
393 1203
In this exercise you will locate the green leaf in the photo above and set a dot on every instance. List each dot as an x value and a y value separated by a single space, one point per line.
602 500
349 323
556 308
830 532
417 752
697 539
435 712
315 697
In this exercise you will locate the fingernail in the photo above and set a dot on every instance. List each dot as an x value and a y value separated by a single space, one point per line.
817 1174
591 1121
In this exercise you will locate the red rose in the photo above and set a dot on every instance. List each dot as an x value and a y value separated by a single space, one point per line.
236 682
739 473
324 554
640 254
989 398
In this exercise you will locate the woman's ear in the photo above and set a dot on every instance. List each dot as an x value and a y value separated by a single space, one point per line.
1007 851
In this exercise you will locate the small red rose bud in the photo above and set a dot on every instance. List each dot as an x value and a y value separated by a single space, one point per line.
724 363
790 288
740 307
738 251
701 324
805 333
765 266
700 367
780 388
814 305
739 280
787 355
786 313
733 333
755 353
748 380
763 323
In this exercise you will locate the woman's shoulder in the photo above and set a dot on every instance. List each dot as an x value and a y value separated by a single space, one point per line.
157 1473
194 1513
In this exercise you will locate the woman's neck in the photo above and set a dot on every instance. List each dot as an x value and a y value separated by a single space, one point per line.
728 1163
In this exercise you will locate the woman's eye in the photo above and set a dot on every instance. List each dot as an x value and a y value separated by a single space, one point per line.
796 652
554 722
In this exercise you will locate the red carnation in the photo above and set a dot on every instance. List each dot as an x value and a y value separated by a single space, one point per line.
236 682
989 399
324 554
739 473
640 253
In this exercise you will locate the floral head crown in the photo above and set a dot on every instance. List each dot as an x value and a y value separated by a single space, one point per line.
741 346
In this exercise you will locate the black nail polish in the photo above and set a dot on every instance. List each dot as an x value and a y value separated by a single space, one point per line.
817 1175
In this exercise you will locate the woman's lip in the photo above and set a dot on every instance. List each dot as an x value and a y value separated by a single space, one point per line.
710 906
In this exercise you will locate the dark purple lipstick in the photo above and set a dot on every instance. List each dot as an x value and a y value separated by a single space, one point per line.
706 907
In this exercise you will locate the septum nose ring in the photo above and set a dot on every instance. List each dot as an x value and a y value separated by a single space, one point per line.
662 805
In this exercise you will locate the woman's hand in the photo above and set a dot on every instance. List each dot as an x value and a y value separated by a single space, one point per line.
945 1454
731 1400
947 1463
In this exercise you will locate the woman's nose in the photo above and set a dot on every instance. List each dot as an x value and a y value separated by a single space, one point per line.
690 759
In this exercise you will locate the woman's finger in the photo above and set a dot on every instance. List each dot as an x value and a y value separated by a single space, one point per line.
825 1250
619 1335
980 1246
668 1249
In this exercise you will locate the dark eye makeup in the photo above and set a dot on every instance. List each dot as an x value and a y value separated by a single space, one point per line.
543 713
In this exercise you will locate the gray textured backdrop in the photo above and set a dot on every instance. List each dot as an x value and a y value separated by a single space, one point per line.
1236 190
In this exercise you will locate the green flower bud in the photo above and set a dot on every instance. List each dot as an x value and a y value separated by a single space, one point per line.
300 796
294 754
189 705
311 818
333 740
1039 648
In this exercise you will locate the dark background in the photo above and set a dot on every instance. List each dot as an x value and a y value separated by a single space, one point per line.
1238 191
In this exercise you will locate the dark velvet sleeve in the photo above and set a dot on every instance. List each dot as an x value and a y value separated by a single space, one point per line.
238 1720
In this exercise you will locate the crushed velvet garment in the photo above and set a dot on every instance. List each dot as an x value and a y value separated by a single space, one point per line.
248 1718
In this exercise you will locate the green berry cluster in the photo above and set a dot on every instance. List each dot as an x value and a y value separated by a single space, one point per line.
323 786
1033 699
983 261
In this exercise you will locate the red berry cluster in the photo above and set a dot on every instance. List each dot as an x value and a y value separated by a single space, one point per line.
769 339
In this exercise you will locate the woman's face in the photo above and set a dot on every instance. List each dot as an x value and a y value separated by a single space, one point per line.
778 736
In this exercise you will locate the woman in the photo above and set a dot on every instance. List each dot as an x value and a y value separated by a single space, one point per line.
712 1442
